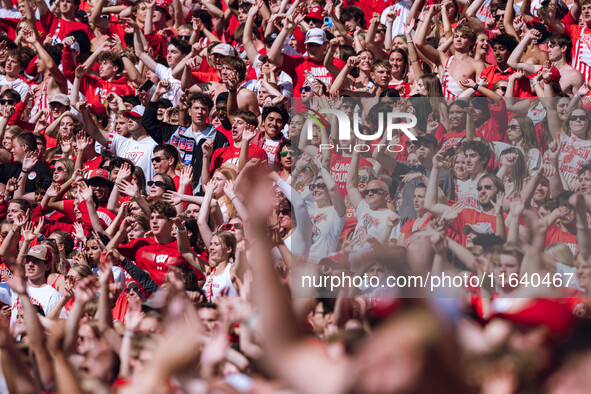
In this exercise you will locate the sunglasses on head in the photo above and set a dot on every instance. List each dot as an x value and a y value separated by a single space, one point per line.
157 183
577 117
284 212
486 187
157 159
513 127
232 226
284 153
305 89
317 186
373 191
7 101
135 289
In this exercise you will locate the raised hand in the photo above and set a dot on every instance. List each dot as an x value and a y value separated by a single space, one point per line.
11 186
411 177
39 226
28 34
127 188
498 203
207 148
452 213
249 133
353 61
30 160
85 192
209 187
229 189
173 197
124 173
81 71
439 159
186 176
516 206
67 145
53 190
554 150
86 290
83 141
20 220
163 87
18 282
509 160
28 232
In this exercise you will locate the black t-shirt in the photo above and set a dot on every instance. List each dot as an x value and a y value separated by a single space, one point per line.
40 173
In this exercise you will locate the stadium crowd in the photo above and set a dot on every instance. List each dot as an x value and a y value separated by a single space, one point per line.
168 174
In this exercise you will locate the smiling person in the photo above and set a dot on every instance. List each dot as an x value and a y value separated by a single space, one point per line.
156 253
575 142
37 267
457 67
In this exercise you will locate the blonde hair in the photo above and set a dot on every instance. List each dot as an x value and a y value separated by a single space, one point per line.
561 253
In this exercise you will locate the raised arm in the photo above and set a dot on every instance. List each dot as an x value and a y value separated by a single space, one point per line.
431 194
289 25
102 137
515 58
421 36
333 190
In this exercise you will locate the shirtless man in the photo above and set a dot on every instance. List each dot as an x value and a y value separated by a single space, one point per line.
579 36
458 66
559 48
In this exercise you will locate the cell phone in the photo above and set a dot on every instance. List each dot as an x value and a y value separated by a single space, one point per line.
328 21
146 86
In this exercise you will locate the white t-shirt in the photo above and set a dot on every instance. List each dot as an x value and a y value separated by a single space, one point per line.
327 227
139 152
401 9
467 194
45 297
369 222
574 153
175 92
271 146
19 85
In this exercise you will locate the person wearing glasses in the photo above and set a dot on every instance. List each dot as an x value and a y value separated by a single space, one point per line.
328 218
490 192
521 133
286 159
374 218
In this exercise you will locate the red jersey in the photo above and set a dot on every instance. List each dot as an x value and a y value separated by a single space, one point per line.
153 257
296 67
406 229
231 154
556 235
60 28
339 167
97 89
472 216
495 128
493 74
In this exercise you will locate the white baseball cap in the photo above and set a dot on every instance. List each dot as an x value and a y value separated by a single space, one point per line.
315 36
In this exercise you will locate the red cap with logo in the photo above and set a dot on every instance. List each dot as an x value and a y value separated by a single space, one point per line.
316 13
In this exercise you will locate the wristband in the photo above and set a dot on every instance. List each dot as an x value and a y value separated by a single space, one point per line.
25 172
476 86
128 334
178 230
578 95
232 90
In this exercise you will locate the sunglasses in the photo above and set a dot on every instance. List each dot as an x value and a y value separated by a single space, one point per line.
59 169
499 16
305 89
513 127
486 187
9 102
364 178
374 191
317 186
135 289
503 88
71 278
232 226
284 153
572 118
157 183
157 159
284 212
183 37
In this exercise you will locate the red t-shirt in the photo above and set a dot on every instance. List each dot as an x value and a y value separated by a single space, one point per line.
153 257
231 154
495 128
556 235
406 229
61 27
296 67
339 167
452 139
97 89
493 74
472 216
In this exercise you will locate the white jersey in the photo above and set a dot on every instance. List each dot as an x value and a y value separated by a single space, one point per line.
369 223
217 283
175 92
467 194
574 153
18 84
327 226
45 297
139 152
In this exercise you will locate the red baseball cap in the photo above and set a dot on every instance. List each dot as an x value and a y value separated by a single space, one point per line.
554 314
98 176
316 13
97 109
164 5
